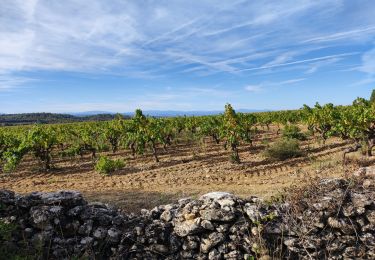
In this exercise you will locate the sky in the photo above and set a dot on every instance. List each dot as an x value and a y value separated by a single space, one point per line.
118 55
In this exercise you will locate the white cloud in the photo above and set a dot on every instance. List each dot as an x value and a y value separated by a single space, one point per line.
315 66
263 85
290 81
368 67
9 83
144 40
342 35
365 81
368 62
328 57
266 14
253 88
280 59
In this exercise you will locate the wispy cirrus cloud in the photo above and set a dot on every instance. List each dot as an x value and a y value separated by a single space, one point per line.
274 65
341 35
129 37
368 67
266 84
253 88
368 62
315 66
176 43
10 82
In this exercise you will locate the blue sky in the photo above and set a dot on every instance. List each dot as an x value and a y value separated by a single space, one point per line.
82 55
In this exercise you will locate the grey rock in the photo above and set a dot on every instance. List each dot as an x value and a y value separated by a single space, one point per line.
370 215
87 241
232 255
100 233
290 242
118 220
214 255
188 227
56 210
217 215
190 245
7 196
369 183
114 234
139 231
73 212
360 200
222 228
206 224
184 201
28 232
66 198
167 215
216 195
41 217
86 228
223 199
188 255
340 224
212 240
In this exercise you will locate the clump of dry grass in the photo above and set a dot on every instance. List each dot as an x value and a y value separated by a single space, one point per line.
284 149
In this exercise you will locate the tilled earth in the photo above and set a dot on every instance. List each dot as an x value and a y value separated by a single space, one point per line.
185 169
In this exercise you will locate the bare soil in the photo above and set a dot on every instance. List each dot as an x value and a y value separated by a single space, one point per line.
185 169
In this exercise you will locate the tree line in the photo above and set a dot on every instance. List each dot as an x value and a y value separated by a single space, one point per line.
49 118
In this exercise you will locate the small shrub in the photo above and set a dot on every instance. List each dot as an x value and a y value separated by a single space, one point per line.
6 230
106 166
294 132
284 149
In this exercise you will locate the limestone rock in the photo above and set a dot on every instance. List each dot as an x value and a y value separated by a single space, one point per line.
212 240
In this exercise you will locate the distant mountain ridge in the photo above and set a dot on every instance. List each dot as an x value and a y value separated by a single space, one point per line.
168 113
91 113
55 118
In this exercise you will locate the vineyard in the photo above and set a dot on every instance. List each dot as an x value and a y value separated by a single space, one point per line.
164 158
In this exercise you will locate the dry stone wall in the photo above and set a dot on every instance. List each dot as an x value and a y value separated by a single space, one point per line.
335 219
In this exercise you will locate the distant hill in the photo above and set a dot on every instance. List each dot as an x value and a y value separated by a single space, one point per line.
49 118
91 113
54 118
166 113
172 113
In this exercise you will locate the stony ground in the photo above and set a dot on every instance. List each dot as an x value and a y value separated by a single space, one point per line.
185 169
